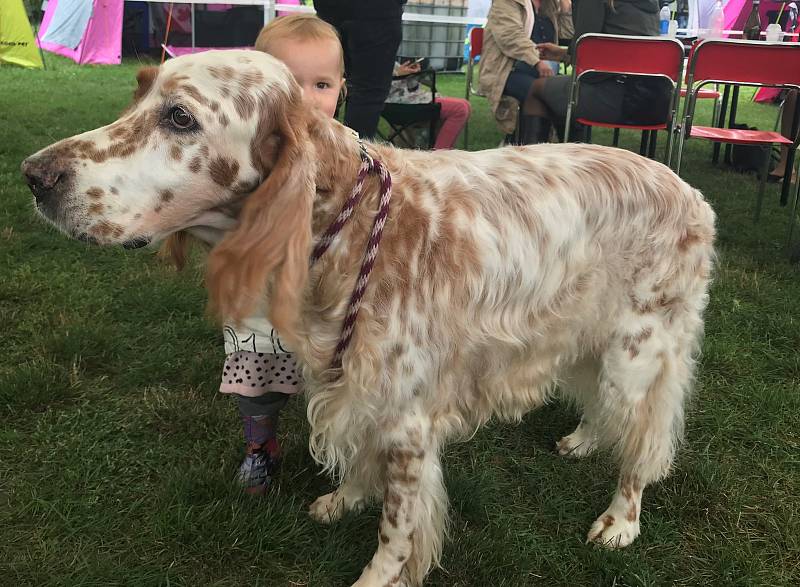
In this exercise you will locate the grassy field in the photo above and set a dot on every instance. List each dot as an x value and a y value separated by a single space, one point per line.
117 454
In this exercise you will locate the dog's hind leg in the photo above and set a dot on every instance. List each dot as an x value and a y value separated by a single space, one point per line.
412 523
580 386
581 443
646 374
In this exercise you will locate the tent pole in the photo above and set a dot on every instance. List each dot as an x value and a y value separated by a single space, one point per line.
166 33
36 38
193 38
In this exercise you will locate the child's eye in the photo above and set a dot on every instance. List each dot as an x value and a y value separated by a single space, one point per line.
322 85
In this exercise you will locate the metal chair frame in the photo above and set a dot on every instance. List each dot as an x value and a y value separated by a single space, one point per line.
694 85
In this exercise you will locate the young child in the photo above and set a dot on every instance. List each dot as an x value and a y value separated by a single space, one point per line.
258 368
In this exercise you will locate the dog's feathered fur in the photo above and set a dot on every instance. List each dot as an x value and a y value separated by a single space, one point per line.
502 275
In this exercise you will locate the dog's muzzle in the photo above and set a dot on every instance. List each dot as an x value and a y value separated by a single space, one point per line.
48 178
136 243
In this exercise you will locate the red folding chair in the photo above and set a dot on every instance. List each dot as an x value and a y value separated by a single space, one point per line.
475 50
639 56
708 95
744 63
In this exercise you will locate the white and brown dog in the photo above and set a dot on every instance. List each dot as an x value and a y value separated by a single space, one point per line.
503 276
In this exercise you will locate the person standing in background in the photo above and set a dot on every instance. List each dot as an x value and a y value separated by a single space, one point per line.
371 32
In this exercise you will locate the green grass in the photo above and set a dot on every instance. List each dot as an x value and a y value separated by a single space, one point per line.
117 454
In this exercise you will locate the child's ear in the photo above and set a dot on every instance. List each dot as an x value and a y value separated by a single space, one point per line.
342 93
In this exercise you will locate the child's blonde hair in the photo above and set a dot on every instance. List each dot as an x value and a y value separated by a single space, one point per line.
298 27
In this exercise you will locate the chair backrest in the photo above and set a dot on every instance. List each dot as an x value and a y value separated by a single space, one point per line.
475 42
475 50
657 57
631 55
754 63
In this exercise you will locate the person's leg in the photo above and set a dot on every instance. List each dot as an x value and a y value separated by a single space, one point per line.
259 417
519 85
789 108
454 115
262 382
371 50
549 97
534 120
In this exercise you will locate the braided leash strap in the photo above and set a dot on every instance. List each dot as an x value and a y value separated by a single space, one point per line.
368 165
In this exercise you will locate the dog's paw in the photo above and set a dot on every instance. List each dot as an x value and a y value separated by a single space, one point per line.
332 506
371 577
327 508
579 444
390 582
613 531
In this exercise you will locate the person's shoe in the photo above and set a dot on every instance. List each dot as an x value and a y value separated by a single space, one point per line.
775 178
260 464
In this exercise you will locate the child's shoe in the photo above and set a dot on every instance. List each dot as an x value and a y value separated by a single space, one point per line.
260 464
262 456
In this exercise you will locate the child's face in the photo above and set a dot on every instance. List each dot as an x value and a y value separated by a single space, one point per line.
316 67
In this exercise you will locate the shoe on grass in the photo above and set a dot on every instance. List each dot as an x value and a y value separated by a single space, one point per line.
260 464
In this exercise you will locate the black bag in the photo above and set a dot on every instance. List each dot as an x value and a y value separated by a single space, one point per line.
750 158
646 101
625 99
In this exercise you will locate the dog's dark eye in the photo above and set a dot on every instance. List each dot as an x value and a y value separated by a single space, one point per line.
180 119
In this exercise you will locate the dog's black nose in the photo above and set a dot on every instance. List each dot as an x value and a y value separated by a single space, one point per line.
43 174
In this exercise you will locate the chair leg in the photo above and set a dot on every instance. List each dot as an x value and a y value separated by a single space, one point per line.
615 141
651 149
720 122
793 217
643 143
787 176
681 140
731 122
762 183
670 146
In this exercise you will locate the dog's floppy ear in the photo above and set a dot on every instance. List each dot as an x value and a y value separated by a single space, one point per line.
144 78
273 238
175 249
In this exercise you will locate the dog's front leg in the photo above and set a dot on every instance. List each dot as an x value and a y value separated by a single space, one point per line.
412 522
349 496
363 483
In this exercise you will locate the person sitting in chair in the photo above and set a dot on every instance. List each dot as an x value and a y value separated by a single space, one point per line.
407 89
608 98
511 63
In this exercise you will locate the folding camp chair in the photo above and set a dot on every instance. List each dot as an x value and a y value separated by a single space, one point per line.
654 57
405 119
743 63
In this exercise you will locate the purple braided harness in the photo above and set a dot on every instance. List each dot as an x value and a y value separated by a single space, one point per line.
368 165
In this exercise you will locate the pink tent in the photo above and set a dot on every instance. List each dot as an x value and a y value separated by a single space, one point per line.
737 11
101 38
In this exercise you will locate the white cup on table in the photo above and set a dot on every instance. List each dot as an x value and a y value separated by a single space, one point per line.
774 33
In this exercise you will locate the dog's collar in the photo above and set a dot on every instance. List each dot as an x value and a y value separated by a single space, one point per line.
368 165
362 148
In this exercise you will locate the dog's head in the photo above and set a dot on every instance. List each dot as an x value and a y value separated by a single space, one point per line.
203 132
193 140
